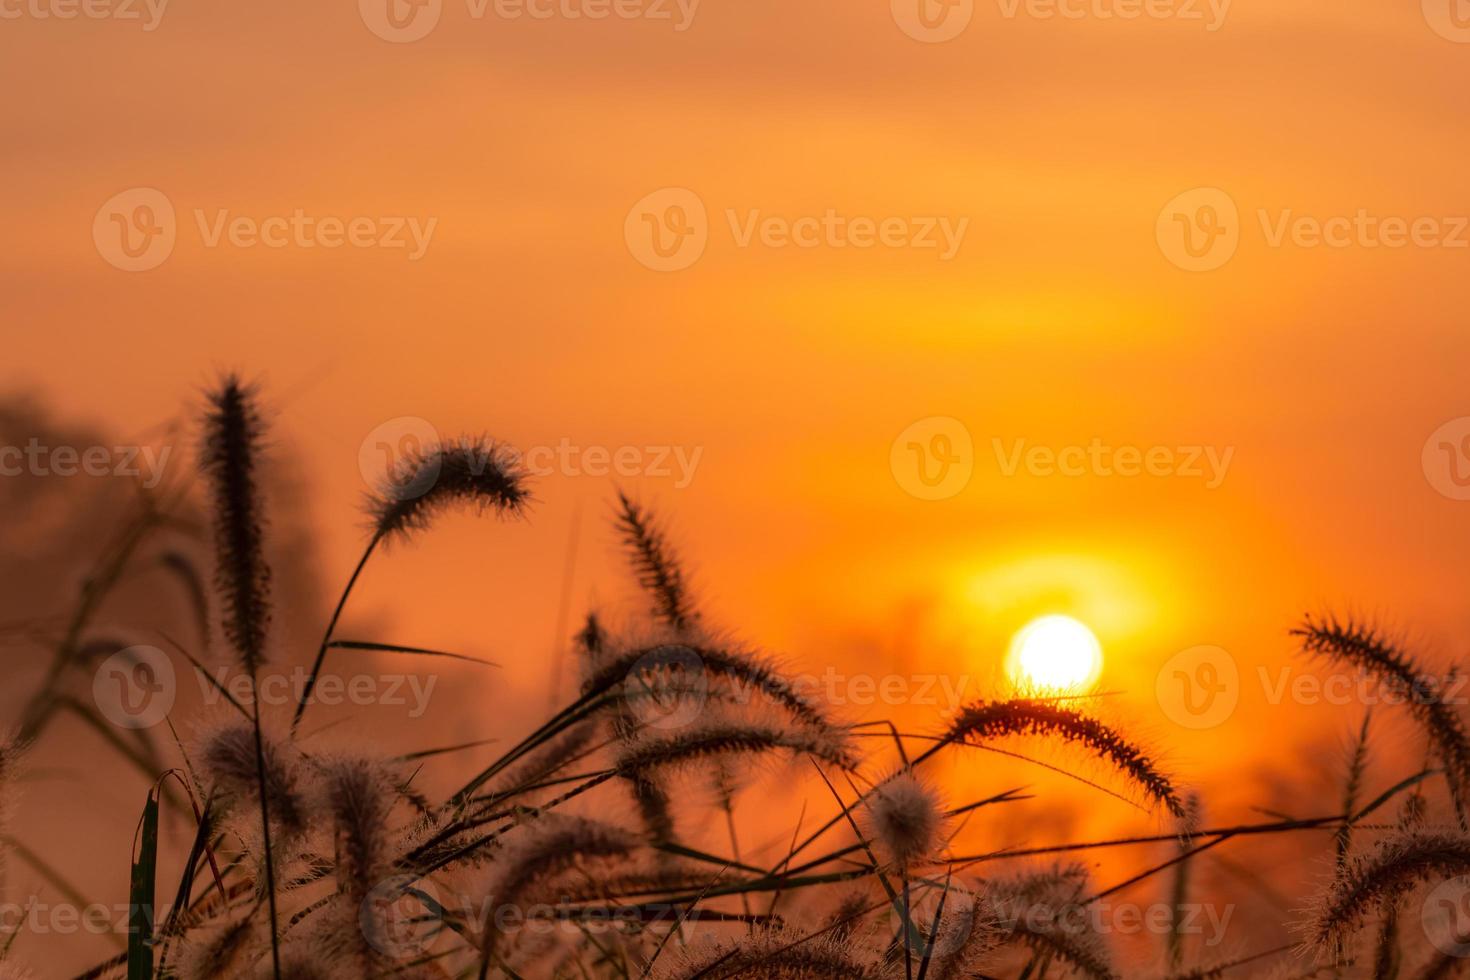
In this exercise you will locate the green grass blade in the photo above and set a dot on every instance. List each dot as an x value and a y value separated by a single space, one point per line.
141 892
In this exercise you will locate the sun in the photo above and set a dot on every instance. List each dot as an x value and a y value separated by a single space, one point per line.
1055 654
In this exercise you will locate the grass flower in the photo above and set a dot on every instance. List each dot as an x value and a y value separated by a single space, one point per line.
777 954
1354 645
546 849
227 761
1400 861
702 742
906 819
233 434
656 565
999 719
473 472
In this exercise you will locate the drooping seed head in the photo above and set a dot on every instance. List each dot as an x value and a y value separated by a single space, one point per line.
477 473
1024 716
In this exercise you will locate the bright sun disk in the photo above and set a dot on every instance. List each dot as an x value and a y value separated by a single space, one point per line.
1055 653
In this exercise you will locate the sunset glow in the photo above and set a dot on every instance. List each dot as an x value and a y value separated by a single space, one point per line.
1055 653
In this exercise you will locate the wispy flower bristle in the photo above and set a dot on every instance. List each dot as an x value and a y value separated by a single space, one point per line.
233 433
219 951
998 719
227 758
718 738
906 819
1361 647
656 564
1036 911
777 954
548 848
474 472
1398 863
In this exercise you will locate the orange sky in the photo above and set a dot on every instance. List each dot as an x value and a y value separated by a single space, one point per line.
791 371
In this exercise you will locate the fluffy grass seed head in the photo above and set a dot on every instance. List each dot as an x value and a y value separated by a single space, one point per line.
906 819
233 434
476 472
226 758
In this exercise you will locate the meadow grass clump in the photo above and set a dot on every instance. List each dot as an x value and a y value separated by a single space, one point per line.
308 864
